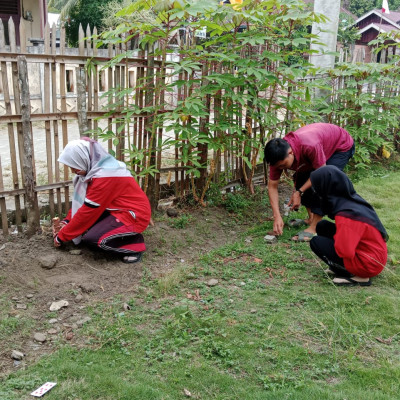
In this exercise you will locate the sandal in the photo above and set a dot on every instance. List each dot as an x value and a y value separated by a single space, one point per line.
296 223
132 258
329 272
303 236
354 281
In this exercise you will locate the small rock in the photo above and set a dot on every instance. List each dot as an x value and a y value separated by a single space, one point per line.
187 393
75 252
172 212
48 261
78 298
83 321
212 282
29 296
242 283
21 306
17 355
190 275
40 337
270 239
53 321
87 288
69 335
57 305
253 310
14 298
248 240
126 307
52 331
182 260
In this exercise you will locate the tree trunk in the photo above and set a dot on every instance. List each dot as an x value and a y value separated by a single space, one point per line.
31 205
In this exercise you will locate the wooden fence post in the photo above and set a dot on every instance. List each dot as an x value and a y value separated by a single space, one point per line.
31 204
81 100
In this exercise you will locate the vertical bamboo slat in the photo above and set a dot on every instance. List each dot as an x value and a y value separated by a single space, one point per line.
95 82
11 35
47 125
10 127
89 76
55 122
80 75
22 36
3 206
140 102
64 123
110 85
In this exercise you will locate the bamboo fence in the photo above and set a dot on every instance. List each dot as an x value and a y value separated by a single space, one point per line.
48 97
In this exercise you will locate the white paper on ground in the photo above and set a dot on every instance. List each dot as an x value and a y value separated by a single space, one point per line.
39 392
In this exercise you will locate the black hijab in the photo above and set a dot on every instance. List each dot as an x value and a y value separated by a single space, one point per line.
338 197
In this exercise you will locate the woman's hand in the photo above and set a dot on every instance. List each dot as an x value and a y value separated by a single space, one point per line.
57 227
57 241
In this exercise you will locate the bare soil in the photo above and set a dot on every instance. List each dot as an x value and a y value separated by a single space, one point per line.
91 277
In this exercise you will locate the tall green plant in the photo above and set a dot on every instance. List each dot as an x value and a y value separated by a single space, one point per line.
234 86
363 99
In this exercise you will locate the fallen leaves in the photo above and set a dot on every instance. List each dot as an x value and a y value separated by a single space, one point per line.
384 341
195 296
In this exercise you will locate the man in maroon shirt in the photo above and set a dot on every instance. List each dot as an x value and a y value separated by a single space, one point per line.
304 151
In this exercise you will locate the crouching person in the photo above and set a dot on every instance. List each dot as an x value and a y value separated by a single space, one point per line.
109 209
354 247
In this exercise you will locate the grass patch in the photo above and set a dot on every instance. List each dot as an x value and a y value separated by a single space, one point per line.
274 327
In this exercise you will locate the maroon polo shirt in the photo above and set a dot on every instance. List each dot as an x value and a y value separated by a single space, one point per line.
313 145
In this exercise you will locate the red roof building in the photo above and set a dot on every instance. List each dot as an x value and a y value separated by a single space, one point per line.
370 25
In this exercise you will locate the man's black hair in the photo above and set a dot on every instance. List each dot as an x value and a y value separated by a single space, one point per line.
276 150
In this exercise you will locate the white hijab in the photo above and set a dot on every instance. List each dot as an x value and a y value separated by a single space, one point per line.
87 155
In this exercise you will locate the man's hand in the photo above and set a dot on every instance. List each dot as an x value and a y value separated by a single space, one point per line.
278 225
295 201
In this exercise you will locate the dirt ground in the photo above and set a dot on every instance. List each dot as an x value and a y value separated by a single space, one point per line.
34 274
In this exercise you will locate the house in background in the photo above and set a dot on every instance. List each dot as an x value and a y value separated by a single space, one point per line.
370 25
33 13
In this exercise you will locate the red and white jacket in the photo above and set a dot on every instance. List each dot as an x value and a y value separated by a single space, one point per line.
121 196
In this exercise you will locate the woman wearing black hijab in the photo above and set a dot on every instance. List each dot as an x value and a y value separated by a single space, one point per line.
354 247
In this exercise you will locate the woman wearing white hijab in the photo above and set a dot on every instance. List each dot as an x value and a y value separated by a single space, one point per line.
109 209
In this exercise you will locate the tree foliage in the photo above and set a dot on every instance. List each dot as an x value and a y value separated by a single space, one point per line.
360 7
84 12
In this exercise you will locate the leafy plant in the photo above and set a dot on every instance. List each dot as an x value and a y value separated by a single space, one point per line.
236 202
182 221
